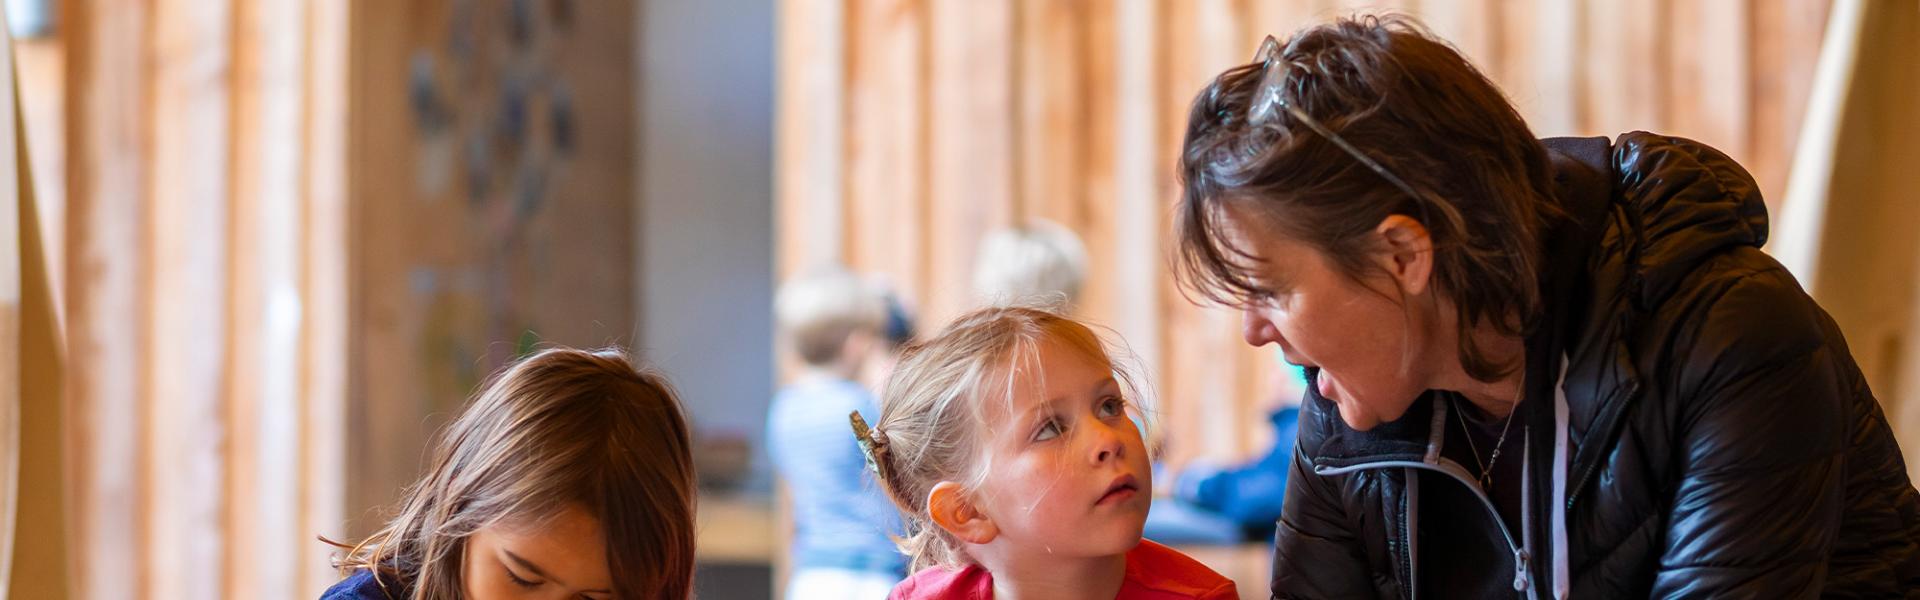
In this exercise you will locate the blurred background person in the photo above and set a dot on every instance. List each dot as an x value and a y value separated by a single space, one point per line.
1037 264
834 322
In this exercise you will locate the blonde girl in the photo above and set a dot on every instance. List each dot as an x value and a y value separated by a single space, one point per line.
1008 445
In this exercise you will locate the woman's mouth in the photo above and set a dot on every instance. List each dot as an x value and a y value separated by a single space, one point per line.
1122 489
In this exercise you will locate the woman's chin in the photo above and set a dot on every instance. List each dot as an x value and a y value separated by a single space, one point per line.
1357 418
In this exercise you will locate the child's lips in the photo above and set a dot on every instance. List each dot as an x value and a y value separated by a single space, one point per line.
1122 489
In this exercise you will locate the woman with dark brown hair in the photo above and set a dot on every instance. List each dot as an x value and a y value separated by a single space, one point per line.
568 476
1538 367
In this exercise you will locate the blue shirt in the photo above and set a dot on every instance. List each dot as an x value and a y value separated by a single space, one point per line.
841 517
361 586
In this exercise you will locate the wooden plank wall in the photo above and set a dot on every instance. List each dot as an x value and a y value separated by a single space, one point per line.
909 127
203 248
280 268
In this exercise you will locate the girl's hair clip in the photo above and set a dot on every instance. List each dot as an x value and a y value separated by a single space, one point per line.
864 435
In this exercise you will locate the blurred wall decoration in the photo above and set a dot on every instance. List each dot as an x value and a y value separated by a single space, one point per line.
908 127
491 175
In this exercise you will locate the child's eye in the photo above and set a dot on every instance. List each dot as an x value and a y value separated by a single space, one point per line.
1048 430
522 582
1112 406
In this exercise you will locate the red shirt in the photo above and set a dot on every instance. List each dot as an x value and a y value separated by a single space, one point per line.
1154 572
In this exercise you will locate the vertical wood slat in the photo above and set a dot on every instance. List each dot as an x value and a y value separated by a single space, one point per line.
810 184
187 258
1536 63
105 122
325 306
1138 166
1095 195
886 155
262 378
1050 129
970 145
1708 73
1622 91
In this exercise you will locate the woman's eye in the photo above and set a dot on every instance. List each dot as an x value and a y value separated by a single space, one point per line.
522 582
1112 407
1048 430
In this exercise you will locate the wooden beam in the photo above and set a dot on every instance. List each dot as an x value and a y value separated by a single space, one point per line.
107 200
811 140
1621 90
887 154
1709 74
325 301
1140 166
262 377
972 144
187 261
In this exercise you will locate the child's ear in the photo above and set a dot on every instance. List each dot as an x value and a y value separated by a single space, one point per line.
954 512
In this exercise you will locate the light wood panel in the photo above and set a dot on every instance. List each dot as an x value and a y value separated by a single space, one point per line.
1073 110
106 127
201 145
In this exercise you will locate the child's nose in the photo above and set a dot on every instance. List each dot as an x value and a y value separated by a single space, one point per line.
1108 445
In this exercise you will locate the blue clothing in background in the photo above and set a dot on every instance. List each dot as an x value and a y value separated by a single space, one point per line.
841 518
1249 494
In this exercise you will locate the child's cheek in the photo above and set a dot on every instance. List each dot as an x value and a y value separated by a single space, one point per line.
1031 482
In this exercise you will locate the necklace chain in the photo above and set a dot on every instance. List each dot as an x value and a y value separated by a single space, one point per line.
1486 468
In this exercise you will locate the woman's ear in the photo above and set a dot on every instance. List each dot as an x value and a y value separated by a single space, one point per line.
953 511
1406 252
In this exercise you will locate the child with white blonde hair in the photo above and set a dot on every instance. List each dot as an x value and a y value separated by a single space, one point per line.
1007 444
1037 264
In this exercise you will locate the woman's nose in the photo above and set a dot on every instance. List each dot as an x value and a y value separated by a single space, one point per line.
1256 328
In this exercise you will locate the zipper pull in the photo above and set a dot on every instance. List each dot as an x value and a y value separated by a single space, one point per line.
1520 571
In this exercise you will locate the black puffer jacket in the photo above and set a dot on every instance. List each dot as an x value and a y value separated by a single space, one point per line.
1722 440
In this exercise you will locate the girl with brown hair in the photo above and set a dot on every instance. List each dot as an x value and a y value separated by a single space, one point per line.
569 475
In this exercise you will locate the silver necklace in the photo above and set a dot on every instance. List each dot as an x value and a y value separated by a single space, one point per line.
1486 468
